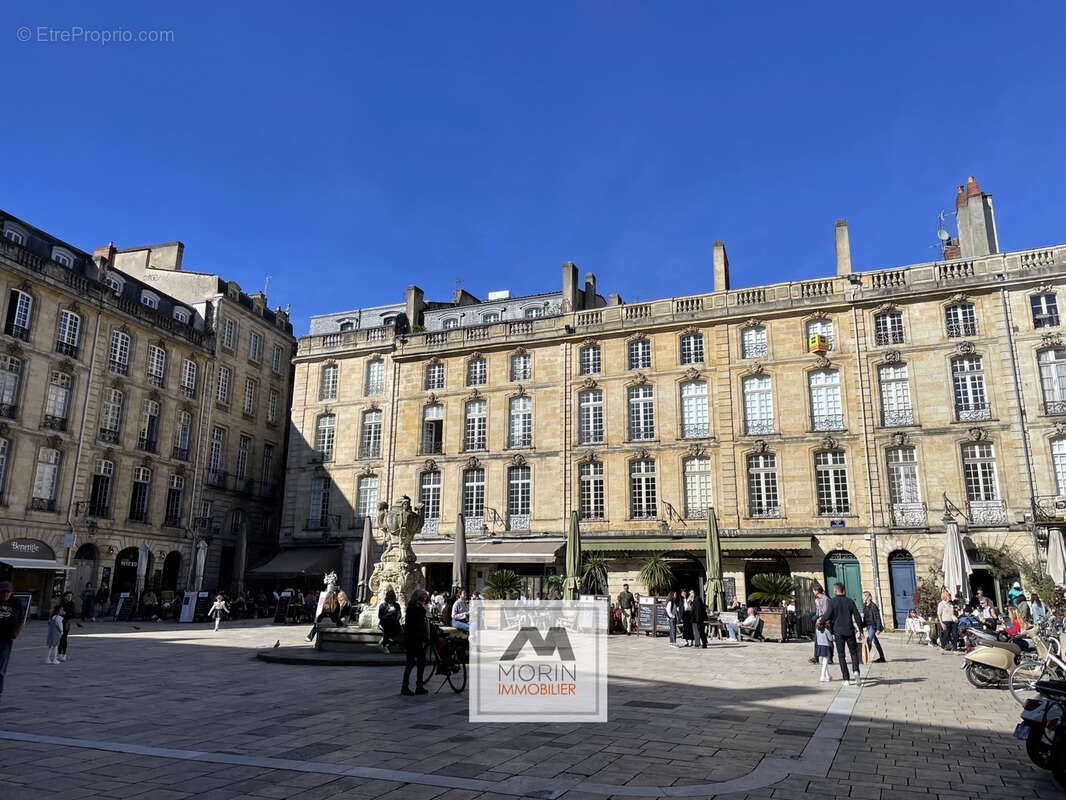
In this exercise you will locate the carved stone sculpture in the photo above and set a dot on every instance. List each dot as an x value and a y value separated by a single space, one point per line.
398 566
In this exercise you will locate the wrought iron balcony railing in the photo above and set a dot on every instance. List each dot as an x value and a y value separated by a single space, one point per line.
520 440
370 450
641 433
695 430
888 337
188 391
42 504
54 423
987 513
1054 408
518 522
765 512
758 427
147 444
118 367
957 330
908 515
827 422
973 412
20 333
109 436
180 454
67 349
217 478
8 410
897 417
833 509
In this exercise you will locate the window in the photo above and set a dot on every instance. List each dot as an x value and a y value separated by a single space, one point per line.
149 299
888 328
643 501
204 518
3 465
979 471
640 354
695 421
476 372
115 283
753 342
275 360
175 497
474 430
188 378
968 379
62 258
961 320
68 334
533 312
44 480
267 487
758 405
223 385
641 413
100 494
181 315
14 236
831 481
318 513
433 429
895 395
1053 380
490 317
251 396
156 365
327 382
473 493
450 323
903 490
255 347
146 437
589 359
111 416
821 327
429 494
370 439
763 499
692 348
139 494
375 377
697 475
367 503
216 458
244 452
10 379
824 388
518 496
57 402
1058 459
229 333
272 407
19 311
346 326
435 376
325 429
182 433
590 490
590 416
1045 310
521 367
520 428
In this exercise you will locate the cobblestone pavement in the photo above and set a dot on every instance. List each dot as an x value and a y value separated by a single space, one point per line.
232 727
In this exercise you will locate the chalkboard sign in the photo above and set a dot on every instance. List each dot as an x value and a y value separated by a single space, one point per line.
662 622
24 601
282 610
124 612
729 586
651 616
645 616
203 605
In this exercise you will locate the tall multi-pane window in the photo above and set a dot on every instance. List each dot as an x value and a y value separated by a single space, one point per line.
888 328
589 359
325 429
45 479
111 415
826 411
821 327
695 422
1058 461
697 477
429 494
375 378
831 482
1045 310
903 489
182 434
474 493
979 471
100 493
216 457
968 383
68 333
266 487
147 436
639 354
521 367
156 365
272 406
960 320
433 429
518 496
758 405
251 395
224 378
3 466
643 499
57 401
370 436
753 342
140 494
520 424
19 314
10 378
188 378
119 354
641 413
590 416
474 429
318 512
367 502
476 372
434 376
1053 380
763 499
175 500
590 490
327 382
255 347
692 348
244 454
229 333
275 360
895 395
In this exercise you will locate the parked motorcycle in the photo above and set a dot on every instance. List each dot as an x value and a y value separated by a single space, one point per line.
991 664
1041 729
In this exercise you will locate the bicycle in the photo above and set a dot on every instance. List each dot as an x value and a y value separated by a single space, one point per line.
448 656
1045 665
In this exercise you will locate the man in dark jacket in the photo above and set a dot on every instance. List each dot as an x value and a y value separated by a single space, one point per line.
415 638
628 604
871 620
845 621
699 620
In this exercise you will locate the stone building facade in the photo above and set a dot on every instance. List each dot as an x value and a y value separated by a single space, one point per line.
825 421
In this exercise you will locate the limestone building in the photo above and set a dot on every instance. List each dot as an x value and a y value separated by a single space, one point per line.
824 420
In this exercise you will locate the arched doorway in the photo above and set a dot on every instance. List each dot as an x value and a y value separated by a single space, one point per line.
904 584
171 570
86 560
841 566
124 578
688 571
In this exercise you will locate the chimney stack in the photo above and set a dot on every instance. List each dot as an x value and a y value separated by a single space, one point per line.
571 292
721 267
976 221
414 305
104 256
590 290
843 244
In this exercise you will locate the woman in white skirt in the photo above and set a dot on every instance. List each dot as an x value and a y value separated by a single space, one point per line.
218 609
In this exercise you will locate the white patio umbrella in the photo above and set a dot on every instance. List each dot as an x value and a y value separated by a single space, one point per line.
957 567
1056 557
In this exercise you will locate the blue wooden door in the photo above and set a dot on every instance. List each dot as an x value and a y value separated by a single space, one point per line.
904 585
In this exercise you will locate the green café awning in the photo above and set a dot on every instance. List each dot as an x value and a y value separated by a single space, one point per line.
730 544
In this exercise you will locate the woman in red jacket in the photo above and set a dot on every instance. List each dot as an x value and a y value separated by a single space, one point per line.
1014 624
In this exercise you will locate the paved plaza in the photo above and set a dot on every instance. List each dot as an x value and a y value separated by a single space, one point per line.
164 712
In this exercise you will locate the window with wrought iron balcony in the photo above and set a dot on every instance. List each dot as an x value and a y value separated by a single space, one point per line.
908 515
155 379
893 418
19 332
830 508
761 511
67 349
370 449
959 330
99 509
523 439
474 442
758 427
146 443
180 454
42 504
827 422
8 410
188 391
217 478
118 367
641 433
53 422
973 412
695 430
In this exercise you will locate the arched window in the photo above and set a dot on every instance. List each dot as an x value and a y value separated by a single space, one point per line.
429 494
590 416
639 354
45 480
19 315
100 494
521 367
367 497
149 299
533 312
476 372
1058 461
888 328
370 437
643 496
433 429
181 315
821 327
449 323
1053 379
182 434
692 348
156 365
375 377
111 416
968 383
589 360
114 283
895 395
57 401
903 488
327 383
473 497
10 379
520 424
490 317
763 499
831 482
119 354
62 257
175 500
695 421
1045 309
347 326
641 413
68 334
697 477
519 497
474 432
753 342
826 412
434 376
590 491
325 429
148 435
758 405
960 320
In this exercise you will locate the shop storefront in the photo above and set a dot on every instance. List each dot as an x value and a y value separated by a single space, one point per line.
533 560
297 568
31 566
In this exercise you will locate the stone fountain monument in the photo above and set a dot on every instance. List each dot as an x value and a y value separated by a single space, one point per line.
398 566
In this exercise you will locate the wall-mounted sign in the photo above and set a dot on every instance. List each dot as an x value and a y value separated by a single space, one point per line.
836 523
26 548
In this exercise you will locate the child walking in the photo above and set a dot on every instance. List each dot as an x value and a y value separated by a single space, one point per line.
823 648
218 609
55 633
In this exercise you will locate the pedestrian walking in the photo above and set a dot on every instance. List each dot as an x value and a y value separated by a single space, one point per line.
68 623
686 619
55 633
699 620
88 599
672 615
845 622
10 627
415 638
823 646
628 605
871 619
103 599
218 609
821 605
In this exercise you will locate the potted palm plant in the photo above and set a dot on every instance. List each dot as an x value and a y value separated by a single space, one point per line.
771 593
503 584
657 575
594 575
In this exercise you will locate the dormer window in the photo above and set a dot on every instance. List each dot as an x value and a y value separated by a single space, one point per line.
347 325
451 322
13 233
62 256
149 299
181 315
115 284
533 312
490 317
389 322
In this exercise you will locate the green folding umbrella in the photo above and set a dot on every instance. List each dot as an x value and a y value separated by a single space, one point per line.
715 592
573 558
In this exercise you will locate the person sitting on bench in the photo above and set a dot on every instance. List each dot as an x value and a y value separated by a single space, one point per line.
749 625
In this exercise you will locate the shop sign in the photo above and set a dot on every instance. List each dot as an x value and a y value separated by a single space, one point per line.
26 548
836 523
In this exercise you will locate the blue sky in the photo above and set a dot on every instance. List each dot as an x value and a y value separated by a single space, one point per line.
349 149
